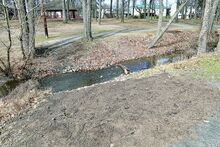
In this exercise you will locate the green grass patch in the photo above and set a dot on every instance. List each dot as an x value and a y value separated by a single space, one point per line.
209 69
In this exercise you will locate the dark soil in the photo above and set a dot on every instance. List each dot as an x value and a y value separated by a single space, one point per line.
155 111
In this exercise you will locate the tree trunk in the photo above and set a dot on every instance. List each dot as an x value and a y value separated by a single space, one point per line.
15 11
117 9
203 7
182 13
166 9
177 7
24 35
160 20
191 7
111 15
196 9
6 14
145 8
122 10
213 14
68 9
218 46
44 19
87 19
202 43
64 12
128 9
133 8
94 9
149 7
167 26
100 11
218 13
31 23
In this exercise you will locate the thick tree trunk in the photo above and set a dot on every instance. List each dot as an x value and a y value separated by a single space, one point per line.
128 9
100 11
64 12
160 20
87 19
31 23
213 14
94 9
202 43
117 9
111 15
122 10
167 26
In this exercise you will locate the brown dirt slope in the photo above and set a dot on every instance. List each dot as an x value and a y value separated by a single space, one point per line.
155 111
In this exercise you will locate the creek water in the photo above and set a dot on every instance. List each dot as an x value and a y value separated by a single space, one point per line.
74 80
69 81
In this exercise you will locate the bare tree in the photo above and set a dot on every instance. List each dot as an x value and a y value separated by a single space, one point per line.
122 10
15 11
160 20
43 13
86 4
31 23
65 20
177 6
111 15
68 9
128 8
213 14
100 11
196 9
6 69
145 9
139 10
202 43
133 7
156 39
117 9
27 23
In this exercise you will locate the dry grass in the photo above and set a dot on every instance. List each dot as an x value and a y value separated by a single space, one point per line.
204 67
20 99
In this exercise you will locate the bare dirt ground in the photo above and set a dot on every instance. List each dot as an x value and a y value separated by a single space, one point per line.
154 111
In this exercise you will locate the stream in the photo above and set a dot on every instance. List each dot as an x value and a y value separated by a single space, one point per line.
74 80
69 81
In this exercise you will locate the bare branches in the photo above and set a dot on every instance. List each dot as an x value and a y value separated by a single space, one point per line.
156 39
